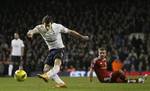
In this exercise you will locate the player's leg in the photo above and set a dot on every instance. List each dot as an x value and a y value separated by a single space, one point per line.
55 69
14 65
11 65
118 77
102 79
10 69
138 80
53 74
54 58
48 62
47 75
60 83
121 78
44 76
133 80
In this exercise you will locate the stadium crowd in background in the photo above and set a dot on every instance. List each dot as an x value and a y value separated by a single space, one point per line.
122 27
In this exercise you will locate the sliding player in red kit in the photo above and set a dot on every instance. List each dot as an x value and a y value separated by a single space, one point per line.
99 65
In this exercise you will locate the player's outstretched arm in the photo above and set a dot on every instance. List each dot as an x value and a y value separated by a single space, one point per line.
30 33
91 69
78 35
91 74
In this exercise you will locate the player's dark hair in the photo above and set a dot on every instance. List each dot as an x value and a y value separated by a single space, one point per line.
16 33
47 19
102 49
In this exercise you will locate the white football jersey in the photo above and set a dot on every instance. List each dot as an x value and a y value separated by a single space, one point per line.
16 45
52 36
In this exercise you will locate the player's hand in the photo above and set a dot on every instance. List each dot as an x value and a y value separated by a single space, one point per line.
91 79
91 76
30 35
85 37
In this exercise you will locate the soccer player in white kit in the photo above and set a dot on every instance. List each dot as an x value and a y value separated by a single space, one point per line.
17 52
51 33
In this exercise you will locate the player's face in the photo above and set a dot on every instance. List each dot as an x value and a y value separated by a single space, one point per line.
16 35
102 53
47 26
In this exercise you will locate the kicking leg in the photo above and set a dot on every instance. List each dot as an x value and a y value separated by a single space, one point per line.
60 83
53 71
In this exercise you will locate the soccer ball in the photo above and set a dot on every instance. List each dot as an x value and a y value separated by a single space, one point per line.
20 75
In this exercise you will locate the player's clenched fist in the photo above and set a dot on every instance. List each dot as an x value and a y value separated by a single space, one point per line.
85 37
29 34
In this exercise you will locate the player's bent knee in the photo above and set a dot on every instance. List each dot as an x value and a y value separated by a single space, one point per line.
56 68
57 61
46 68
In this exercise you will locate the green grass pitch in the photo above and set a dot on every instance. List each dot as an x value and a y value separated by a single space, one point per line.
74 84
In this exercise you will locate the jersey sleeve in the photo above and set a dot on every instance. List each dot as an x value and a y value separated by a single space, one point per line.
37 29
11 42
63 29
93 62
22 44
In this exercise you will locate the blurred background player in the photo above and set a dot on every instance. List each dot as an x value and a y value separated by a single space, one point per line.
17 52
99 65
117 65
51 33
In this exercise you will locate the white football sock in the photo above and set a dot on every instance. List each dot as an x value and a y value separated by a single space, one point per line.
20 67
131 81
10 69
57 79
141 80
53 71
